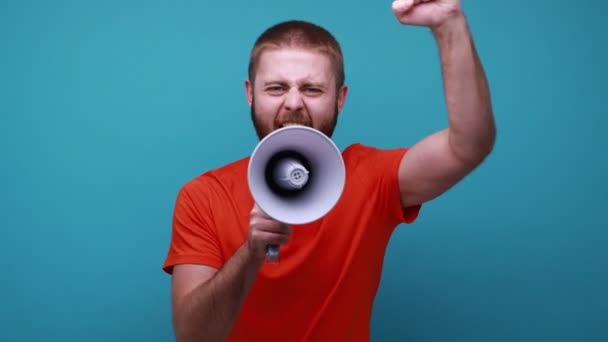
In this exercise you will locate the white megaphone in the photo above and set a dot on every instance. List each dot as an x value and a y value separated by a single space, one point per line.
296 175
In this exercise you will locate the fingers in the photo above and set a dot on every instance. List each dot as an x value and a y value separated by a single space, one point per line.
402 6
264 231
256 211
269 238
268 225
258 214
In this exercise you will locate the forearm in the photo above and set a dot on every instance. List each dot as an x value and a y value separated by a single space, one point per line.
470 117
209 312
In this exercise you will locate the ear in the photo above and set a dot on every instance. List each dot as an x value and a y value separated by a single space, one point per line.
249 91
342 92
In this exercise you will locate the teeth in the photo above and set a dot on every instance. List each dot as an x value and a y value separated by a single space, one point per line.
291 124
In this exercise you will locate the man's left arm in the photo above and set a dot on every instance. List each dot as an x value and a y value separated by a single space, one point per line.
439 161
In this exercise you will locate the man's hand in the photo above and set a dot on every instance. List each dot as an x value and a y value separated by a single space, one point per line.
429 13
265 231
207 301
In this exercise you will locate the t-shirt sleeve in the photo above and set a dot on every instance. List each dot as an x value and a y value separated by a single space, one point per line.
382 165
391 183
193 235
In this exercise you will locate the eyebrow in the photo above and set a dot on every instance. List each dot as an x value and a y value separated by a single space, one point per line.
314 84
302 84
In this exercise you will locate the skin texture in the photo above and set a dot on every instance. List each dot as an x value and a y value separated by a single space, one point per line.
298 86
294 86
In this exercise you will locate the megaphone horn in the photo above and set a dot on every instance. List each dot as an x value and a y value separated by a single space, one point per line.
296 175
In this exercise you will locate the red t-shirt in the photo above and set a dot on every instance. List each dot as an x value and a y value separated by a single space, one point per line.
325 282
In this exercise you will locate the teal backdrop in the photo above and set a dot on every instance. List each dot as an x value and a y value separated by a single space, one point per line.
108 107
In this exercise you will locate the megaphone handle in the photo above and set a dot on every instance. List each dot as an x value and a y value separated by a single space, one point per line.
272 252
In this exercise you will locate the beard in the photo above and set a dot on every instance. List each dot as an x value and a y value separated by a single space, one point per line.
262 128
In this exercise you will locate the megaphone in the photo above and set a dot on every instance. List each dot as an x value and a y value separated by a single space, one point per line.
296 175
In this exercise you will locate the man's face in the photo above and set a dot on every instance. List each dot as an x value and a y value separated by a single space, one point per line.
294 86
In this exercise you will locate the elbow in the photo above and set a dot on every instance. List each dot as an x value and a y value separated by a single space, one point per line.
491 136
488 140
484 141
483 146
474 147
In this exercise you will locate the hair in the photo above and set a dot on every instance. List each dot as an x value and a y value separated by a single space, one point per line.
298 34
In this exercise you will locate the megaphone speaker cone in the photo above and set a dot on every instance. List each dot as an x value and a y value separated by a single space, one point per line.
296 174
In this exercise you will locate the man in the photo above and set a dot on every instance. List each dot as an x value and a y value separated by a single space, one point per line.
324 286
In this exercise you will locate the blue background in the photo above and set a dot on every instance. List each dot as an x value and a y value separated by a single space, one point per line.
108 107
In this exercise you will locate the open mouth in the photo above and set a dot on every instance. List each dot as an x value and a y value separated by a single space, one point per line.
288 124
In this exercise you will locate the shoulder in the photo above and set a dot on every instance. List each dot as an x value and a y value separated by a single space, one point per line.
363 150
212 183
359 155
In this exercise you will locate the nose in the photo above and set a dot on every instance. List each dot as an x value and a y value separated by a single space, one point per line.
293 101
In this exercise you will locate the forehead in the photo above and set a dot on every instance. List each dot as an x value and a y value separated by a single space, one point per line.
294 65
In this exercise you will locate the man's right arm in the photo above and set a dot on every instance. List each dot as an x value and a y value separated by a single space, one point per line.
206 302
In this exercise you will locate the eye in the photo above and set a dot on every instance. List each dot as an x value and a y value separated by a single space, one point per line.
313 91
274 90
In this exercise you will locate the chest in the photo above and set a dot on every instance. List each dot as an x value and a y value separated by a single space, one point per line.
350 236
